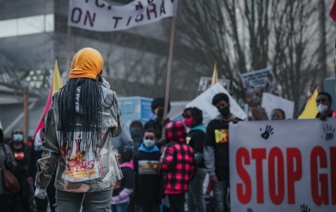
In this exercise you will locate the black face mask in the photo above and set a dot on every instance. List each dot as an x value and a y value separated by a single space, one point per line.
224 111
160 112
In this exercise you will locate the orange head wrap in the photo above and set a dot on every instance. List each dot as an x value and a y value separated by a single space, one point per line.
87 63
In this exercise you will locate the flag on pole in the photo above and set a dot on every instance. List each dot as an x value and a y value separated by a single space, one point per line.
333 12
310 110
214 79
56 84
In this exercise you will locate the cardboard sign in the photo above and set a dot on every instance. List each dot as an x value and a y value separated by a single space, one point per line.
271 102
204 103
259 114
283 166
256 83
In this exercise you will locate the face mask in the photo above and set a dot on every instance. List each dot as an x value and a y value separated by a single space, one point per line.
322 108
18 138
149 143
160 112
188 122
225 111
135 132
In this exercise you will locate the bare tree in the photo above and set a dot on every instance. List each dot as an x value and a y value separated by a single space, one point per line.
249 35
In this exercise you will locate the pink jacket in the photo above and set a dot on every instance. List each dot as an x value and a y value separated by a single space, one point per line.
126 192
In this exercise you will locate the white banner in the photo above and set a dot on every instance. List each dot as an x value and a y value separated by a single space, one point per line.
204 103
271 102
282 166
97 15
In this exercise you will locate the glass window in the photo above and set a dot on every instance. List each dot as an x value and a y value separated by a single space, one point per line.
27 25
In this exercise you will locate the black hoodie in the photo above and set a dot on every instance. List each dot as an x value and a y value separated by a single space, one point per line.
137 140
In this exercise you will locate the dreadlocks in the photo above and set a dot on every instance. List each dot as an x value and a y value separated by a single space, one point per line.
196 113
88 104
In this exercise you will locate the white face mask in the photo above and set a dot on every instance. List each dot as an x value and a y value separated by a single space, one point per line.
322 108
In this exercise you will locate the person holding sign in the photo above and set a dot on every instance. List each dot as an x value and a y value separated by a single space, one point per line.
216 149
278 114
323 105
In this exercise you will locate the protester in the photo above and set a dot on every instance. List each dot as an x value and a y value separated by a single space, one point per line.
323 105
7 161
123 188
179 165
136 133
157 108
278 114
147 174
21 154
216 149
35 154
123 140
193 118
80 123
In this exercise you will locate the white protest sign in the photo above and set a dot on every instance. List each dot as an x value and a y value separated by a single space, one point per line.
271 102
204 103
205 83
283 166
97 15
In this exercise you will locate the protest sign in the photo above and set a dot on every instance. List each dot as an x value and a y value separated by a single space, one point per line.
205 83
256 83
283 166
271 102
204 103
97 15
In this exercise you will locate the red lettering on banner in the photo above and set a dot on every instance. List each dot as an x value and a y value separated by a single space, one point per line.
88 16
293 175
276 198
319 196
259 155
242 153
333 174
74 10
153 10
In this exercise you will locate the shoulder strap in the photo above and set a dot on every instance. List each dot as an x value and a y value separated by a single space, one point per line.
4 148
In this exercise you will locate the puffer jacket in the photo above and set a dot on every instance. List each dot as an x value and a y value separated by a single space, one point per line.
76 172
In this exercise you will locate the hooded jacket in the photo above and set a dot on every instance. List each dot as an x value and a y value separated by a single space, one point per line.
177 161
73 174
137 140
216 147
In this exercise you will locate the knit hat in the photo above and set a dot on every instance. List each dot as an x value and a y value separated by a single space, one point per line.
157 102
175 131
87 63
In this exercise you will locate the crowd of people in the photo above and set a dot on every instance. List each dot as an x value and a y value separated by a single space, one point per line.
87 161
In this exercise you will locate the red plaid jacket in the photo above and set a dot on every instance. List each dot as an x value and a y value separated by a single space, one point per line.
177 161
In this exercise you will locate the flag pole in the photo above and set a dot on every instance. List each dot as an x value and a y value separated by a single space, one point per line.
67 68
169 70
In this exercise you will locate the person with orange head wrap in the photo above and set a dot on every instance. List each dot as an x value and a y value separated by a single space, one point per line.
80 124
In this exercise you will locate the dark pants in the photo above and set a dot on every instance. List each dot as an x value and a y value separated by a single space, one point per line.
149 208
5 202
42 204
220 194
176 202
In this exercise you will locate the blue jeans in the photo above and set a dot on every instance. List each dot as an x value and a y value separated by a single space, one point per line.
122 207
220 194
195 196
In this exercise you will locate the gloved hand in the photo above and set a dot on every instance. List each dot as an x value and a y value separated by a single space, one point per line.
40 193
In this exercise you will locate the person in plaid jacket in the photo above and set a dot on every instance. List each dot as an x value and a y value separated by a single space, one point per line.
179 165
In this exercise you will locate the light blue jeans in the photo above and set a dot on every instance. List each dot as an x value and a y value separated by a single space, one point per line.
220 194
195 196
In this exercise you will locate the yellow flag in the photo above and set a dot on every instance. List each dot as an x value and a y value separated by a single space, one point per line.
214 79
310 110
57 80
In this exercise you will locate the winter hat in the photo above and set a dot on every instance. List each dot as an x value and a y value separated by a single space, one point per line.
87 63
175 131
157 102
